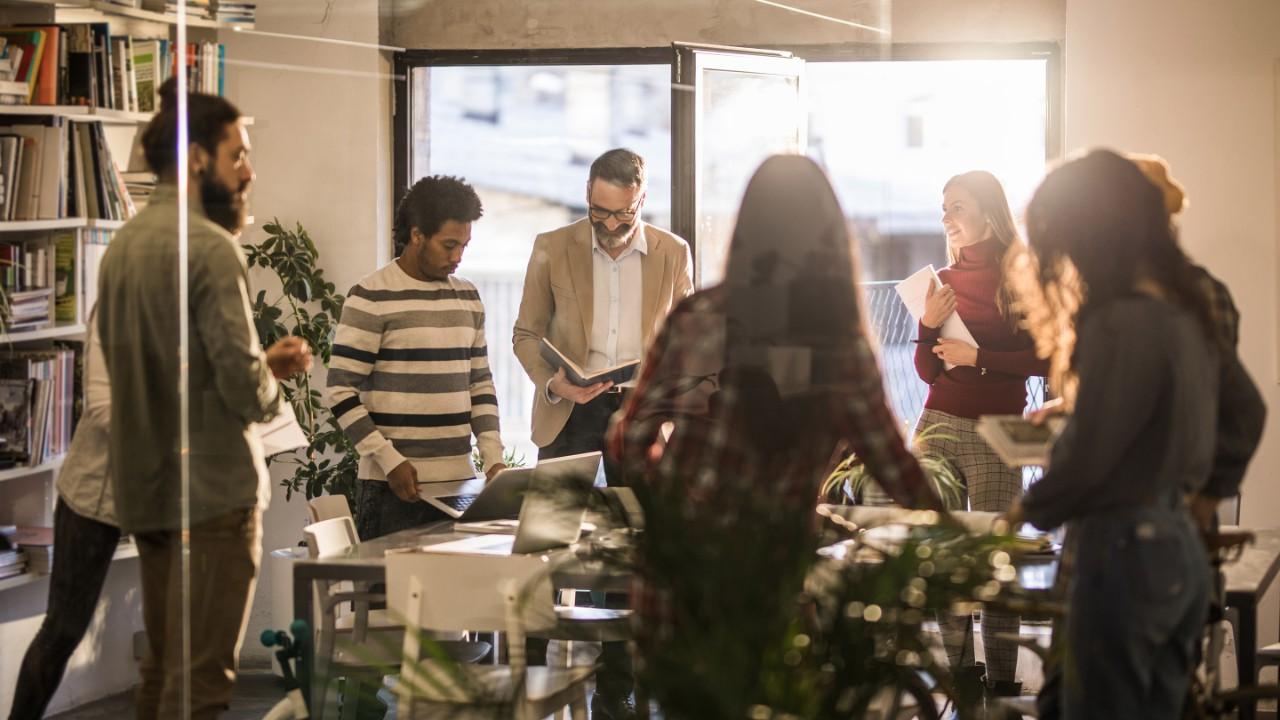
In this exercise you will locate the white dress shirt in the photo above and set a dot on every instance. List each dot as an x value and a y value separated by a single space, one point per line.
617 289
615 324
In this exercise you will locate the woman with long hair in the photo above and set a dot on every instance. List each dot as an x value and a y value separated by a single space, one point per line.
749 395
1109 294
966 382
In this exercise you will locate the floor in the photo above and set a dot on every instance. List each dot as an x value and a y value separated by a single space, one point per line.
258 690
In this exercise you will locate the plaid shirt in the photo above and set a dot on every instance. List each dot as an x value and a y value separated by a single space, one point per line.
1221 306
1241 410
736 423
749 442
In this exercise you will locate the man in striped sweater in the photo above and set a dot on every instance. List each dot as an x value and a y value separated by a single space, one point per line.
409 379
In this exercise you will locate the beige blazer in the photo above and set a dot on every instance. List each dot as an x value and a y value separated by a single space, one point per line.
558 304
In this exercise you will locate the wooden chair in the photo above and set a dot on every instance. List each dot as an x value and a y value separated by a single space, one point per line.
458 592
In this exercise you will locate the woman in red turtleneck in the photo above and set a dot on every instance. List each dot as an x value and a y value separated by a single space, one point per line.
990 379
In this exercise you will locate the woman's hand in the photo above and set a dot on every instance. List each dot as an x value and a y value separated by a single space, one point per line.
939 303
1053 408
1007 524
956 352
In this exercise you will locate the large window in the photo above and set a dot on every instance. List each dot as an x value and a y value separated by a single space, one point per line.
889 133
525 137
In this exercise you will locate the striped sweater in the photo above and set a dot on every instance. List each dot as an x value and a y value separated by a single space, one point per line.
409 376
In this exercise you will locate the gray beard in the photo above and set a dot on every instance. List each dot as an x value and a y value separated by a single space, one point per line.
610 241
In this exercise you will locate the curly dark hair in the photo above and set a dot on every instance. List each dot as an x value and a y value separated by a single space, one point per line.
207 119
430 203
1096 226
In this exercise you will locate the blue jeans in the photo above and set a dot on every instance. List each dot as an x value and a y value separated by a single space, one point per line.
1138 604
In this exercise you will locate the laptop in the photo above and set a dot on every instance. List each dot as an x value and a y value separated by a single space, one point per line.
475 500
500 499
550 517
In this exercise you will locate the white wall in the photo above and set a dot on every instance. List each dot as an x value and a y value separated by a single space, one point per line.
321 150
1196 83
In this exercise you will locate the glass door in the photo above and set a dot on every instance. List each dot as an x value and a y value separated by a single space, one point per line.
731 108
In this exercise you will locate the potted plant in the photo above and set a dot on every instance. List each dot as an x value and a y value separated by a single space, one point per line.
851 478
309 307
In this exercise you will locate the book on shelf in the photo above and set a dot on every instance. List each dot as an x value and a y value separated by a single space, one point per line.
50 405
95 247
236 12
31 42
15 405
617 374
36 543
1017 441
85 64
64 278
52 168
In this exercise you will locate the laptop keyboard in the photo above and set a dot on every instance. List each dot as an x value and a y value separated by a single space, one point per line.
458 502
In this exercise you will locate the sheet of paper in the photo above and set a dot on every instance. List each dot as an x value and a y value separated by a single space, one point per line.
281 434
915 289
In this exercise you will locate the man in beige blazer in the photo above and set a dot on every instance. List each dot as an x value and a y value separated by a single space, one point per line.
598 289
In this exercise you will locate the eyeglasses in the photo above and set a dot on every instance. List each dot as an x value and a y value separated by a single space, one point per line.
599 214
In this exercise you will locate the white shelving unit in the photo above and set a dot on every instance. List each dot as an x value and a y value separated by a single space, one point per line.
27 494
126 551
17 473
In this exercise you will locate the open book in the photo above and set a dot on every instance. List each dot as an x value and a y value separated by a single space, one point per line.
1017 441
914 291
617 374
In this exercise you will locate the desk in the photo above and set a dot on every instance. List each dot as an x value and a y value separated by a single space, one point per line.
365 562
1248 580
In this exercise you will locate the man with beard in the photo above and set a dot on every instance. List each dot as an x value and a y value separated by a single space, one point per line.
229 383
597 289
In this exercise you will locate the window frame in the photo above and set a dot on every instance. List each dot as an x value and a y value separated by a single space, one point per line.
405 62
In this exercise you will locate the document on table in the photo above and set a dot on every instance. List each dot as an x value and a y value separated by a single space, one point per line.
281 434
914 290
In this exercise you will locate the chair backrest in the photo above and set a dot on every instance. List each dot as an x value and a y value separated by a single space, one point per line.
458 592
330 537
328 507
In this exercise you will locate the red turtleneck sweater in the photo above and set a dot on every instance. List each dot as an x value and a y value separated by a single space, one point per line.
1006 358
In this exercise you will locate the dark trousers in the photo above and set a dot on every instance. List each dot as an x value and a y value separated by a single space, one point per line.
82 551
585 432
379 512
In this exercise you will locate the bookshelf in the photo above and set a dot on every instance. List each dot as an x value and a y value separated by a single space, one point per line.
28 494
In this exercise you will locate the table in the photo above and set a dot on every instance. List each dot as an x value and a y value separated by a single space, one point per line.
1248 580
365 562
